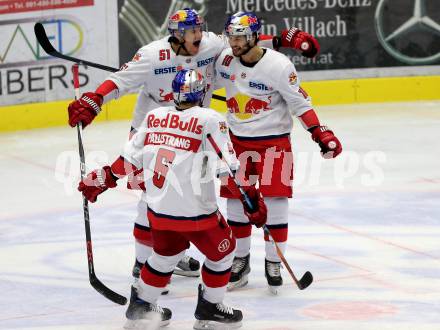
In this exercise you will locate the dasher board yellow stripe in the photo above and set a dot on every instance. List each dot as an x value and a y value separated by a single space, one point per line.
39 115
327 92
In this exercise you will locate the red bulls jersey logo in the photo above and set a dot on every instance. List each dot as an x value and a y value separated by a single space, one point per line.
244 107
174 121
168 97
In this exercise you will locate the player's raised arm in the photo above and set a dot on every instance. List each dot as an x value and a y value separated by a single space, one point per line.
299 40
130 75
293 38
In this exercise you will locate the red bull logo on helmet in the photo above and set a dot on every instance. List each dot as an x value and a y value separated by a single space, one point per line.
179 16
252 20
244 20
184 19
242 24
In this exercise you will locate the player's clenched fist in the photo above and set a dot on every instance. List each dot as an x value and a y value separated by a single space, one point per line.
329 143
257 216
85 109
96 183
303 41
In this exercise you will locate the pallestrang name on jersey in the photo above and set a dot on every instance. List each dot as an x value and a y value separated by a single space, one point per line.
173 140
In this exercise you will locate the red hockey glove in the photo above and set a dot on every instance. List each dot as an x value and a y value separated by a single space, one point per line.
259 215
329 143
85 109
303 41
96 183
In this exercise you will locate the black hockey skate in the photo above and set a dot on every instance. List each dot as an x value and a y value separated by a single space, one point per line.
273 275
211 316
141 314
239 273
187 266
136 272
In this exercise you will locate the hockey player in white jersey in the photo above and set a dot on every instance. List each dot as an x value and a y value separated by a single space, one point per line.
263 94
180 166
153 68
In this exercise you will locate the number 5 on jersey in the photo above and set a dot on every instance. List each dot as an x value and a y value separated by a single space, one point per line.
164 159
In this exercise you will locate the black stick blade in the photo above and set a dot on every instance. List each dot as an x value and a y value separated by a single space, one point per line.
305 281
44 42
42 39
106 292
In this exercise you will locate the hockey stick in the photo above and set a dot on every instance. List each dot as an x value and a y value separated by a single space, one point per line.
94 281
307 278
44 42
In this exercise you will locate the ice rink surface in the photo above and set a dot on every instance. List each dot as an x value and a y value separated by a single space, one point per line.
367 225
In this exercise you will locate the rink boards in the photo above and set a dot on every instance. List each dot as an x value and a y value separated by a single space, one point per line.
328 92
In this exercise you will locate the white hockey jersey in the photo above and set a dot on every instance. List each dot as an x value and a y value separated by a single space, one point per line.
180 165
261 99
154 67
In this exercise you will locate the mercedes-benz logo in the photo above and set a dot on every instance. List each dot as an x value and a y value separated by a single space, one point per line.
418 20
